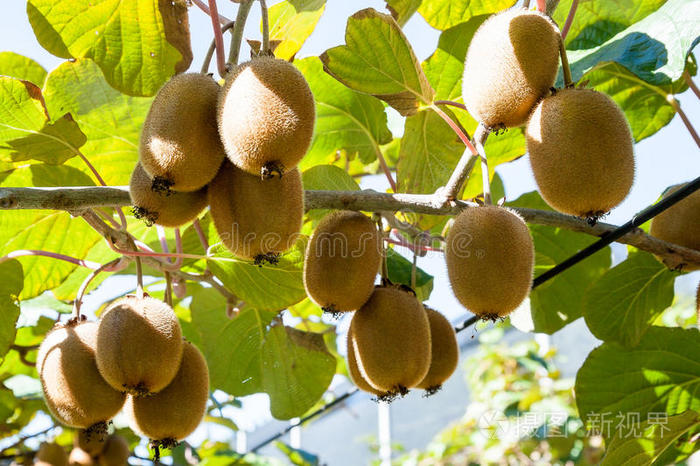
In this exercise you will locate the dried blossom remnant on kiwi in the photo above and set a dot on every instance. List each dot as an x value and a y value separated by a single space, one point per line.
162 185
148 217
274 169
139 389
430 391
99 428
156 445
272 258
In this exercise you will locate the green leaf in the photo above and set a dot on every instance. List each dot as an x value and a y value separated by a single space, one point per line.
654 49
444 14
138 44
660 375
648 440
402 10
596 22
345 119
559 301
326 178
265 287
378 60
21 67
628 298
400 273
11 283
262 355
292 22
25 128
110 120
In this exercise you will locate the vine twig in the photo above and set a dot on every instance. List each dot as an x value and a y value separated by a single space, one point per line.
677 107
568 81
691 84
265 49
465 165
569 20
203 6
212 48
237 34
112 266
218 38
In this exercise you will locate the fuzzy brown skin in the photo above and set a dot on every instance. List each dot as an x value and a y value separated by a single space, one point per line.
74 391
91 442
253 216
342 260
79 457
266 115
51 454
175 412
490 260
444 351
354 371
680 223
391 337
511 63
581 152
139 345
116 452
179 139
173 211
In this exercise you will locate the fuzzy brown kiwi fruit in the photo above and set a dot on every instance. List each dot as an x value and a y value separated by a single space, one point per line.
266 116
391 337
79 457
490 260
153 207
91 441
444 352
74 391
581 152
116 452
256 218
174 413
511 63
680 223
180 146
51 454
354 371
139 345
342 260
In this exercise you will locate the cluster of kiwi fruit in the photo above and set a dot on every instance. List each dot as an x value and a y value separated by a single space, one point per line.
134 358
89 449
394 342
579 141
233 147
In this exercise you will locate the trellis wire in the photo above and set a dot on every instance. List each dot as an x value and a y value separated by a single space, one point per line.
608 238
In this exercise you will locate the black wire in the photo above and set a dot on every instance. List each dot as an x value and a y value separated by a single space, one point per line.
639 219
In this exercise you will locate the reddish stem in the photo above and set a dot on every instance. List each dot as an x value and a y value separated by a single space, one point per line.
54 255
452 103
101 180
387 171
569 19
677 107
203 6
542 6
413 247
113 266
218 38
455 127
202 238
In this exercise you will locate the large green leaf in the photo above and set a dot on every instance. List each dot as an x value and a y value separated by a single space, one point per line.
660 375
292 22
378 60
11 283
628 298
644 443
21 67
400 272
255 353
110 120
402 10
559 301
444 14
265 287
138 44
596 21
345 119
654 49
26 131
326 178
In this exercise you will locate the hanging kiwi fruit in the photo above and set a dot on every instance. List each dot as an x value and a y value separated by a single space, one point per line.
444 352
680 223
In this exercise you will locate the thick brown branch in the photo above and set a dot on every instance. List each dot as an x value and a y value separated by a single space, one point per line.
78 200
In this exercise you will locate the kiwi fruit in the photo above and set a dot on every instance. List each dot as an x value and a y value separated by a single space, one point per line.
79 457
444 351
354 371
116 452
174 413
581 152
266 116
490 260
391 337
680 223
342 260
180 146
256 218
139 345
51 454
511 63
91 441
74 391
153 207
